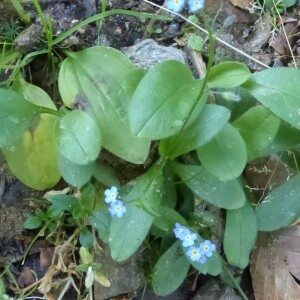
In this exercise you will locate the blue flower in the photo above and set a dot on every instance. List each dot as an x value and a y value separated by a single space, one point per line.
194 253
180 231
195 5
189 238
207 248
117 208
111 194
202 259
175 5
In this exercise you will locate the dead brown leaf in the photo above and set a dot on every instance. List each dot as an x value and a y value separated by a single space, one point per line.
27 277
275 265
46 256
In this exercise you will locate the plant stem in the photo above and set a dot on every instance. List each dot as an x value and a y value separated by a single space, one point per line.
234 281
20 10
103 15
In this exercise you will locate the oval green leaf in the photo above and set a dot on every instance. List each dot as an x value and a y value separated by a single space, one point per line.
34 158
278 89
211 120
170 270
164 100
258 127
128 232
225 156
79 138
281 207
240 235
102 81
228 74
74 174
210 188
16 116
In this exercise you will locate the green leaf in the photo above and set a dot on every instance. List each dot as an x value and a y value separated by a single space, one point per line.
278 90
211 120
86 238
102 81
105 174
128 232
34 158
148 190
287 137
74 174
32 93
33 222
158 110
240 235
170 270
88 198
225 156
212 266
227 75
164 224
195 42
237 108
62 203
79 138
210 188
16 116
100 220
258 127
281 207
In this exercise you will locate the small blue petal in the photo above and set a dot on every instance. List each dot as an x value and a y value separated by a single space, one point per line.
194 253
202 259
111 194
207 248
175 5
189 239
117 209
180 231
195 5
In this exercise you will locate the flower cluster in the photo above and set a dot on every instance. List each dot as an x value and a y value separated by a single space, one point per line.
197 254
117 207
178 5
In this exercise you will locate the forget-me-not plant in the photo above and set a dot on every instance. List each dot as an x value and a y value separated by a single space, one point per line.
180 231
178 5
195 5
117 208
111 194
207 248
175 5
197 254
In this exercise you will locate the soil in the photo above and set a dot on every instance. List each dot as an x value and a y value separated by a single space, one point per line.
242 26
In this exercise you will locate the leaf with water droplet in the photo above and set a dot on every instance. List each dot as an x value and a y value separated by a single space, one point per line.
240 235
34 158
170 270
225 156
275 211
75 143
278 89
107 79
209 187
16 116
258 127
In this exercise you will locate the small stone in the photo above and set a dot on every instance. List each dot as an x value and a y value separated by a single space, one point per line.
148 53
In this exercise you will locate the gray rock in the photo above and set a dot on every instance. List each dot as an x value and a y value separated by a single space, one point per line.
124 277
214 290
148 53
